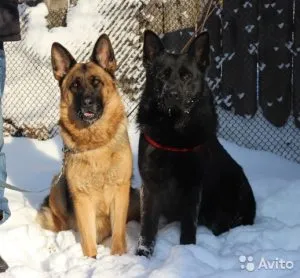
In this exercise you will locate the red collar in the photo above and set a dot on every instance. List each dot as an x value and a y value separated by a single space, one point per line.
172 149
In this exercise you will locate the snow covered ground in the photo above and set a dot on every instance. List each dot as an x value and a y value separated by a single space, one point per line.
271 248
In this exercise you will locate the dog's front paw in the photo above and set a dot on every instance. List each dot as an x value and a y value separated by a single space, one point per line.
143 252
118 248
187 239
144 248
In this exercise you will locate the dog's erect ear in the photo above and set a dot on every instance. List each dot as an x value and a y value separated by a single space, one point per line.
62 61
199 49
103 54
153 47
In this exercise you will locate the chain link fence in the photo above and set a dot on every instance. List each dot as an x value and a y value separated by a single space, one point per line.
31 97
247 70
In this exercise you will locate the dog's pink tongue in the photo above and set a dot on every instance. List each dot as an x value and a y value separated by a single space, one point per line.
88 114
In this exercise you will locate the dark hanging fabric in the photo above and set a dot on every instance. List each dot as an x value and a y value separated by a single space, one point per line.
275 59
239 77
213 26
296 73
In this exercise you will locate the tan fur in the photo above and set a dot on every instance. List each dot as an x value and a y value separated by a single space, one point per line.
97 172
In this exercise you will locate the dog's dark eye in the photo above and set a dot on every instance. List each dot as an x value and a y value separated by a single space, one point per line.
185 74
75 85
164 74
95 81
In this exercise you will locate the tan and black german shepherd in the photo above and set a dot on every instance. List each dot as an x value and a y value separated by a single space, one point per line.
92 192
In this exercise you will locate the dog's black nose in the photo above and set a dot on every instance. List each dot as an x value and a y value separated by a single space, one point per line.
170 92
87 101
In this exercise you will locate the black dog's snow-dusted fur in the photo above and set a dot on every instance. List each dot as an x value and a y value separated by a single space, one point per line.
204 186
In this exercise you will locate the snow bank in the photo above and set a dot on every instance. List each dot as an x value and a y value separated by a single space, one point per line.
32 252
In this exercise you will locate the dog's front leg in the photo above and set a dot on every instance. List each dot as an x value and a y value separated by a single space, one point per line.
86 222
150 212
118 216
191 201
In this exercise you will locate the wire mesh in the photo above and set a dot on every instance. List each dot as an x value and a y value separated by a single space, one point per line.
31 98
32 95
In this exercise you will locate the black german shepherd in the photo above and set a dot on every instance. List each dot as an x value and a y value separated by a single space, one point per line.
187 175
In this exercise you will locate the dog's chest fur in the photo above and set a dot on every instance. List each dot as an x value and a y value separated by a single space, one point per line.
94 173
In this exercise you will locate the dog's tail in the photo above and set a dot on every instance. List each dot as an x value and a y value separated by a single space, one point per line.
45 217
53 214
134 205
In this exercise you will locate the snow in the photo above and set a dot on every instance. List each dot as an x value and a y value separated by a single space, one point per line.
32 252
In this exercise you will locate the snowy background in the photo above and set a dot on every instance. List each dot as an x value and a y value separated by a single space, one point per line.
32 252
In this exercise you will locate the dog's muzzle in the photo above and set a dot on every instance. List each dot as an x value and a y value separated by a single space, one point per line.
90 109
